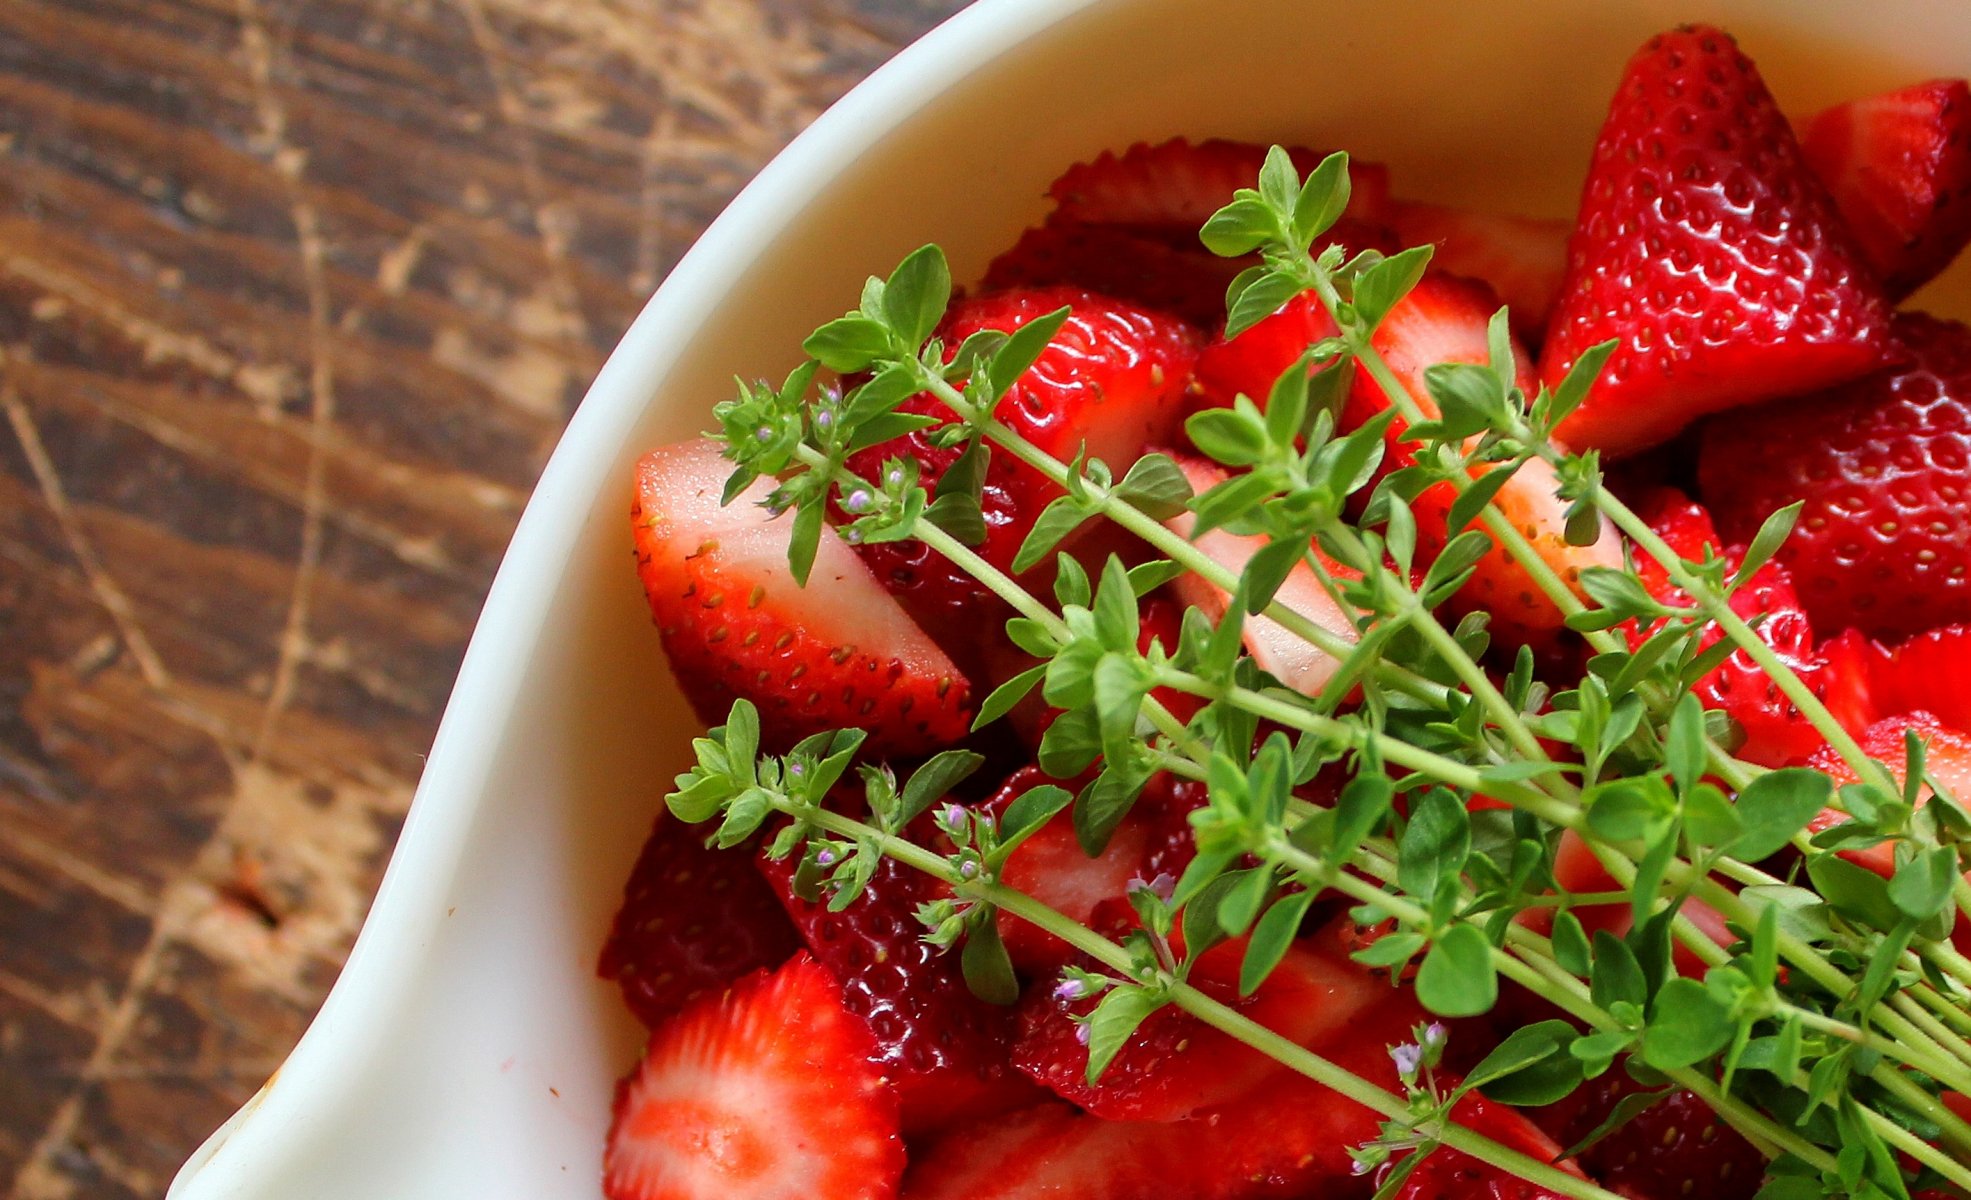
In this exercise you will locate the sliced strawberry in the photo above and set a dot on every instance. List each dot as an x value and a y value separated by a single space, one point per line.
693 919
1174 1064
1444 320
1522 258
1899 165
1113 379
1947 758
1447 1174
1176 186
764 1091
1050 865
1930 672
1708 250
1579 872
1249 364
1673 1149
944 1048
1883 469
840 653
1115 261
1775 732
1283 655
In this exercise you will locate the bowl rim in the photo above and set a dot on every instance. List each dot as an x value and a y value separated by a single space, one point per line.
274 1126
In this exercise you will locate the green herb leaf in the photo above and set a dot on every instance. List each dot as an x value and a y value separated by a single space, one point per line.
1457 978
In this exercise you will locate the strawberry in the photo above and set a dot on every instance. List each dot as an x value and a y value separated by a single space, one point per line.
1947 758
1174 187
1120 262
1708 250
1883 467
1447 1174
1677 1147
1899 166
1775 733
944 1048
1250 363
1050 865
1280 653
1113 379
1444 320
1174 1064
764 1091
1579 872
1930 672
693 919
1522 258
841 653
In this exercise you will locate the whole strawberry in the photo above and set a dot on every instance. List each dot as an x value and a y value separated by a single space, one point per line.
1708 251
1883 467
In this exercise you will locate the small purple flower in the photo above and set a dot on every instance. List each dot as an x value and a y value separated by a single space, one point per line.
852 536
858 501
824 857
824 419
764 433
893 477
797 770
1408 1059
1069 990
1164 885
1362 1166
968 870
953 815
1081 1034
1435 1036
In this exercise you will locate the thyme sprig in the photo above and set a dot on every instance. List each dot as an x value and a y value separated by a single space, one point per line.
1825 1033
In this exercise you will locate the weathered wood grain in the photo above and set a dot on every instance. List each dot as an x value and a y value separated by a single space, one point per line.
294 299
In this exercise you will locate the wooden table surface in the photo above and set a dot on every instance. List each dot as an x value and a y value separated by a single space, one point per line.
295 296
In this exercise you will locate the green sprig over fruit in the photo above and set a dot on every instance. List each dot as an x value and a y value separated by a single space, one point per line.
1824 1034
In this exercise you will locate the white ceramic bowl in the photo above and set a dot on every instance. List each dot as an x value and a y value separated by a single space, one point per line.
467 1050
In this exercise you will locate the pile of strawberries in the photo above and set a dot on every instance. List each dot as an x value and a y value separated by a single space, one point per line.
1745 265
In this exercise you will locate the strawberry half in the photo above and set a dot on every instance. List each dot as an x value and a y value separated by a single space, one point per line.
1708 250
1174 1064
693 919
1281 654
944 1048
1675 1148
764 1091
1173 187
1120 262
1899 166
839 653
1775 732
1883 468
1050 865
1947 758
1112 379
1930 672
1524 259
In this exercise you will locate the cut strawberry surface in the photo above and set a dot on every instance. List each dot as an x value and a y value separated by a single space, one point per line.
1947 759
1882 468
944 1048
1444 319
1249 364
1899 166
1930 672
1675 1148
693 919
1113 379
839 653
1775 732
765 1091
1050 865
1174 1064
1709 251
1524 259
1281 654
1176 186
1579 872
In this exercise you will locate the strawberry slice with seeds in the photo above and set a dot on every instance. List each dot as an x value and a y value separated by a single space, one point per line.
764 1091
1899 166
1174 187
1947 758
1677 1147
1447 1174
944 1048
839 653
1775 732
1709 251
1116 261
1174 1064
1882 467
1524 259
1112 379
693 919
